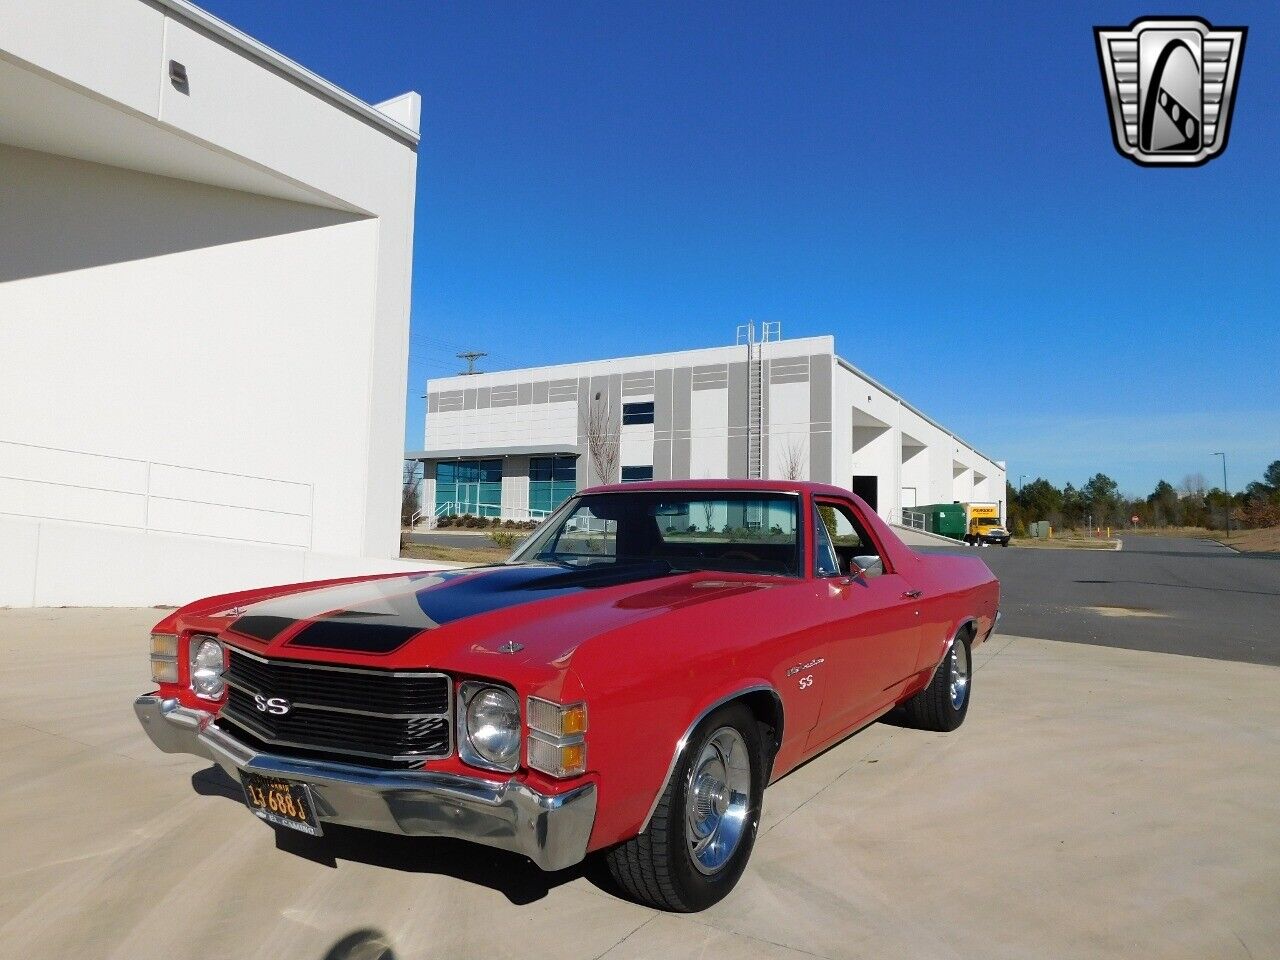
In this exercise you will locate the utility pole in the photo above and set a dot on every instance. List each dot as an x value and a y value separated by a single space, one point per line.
471 356
1226 492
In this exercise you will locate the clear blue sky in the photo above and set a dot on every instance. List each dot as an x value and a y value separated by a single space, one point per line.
934 184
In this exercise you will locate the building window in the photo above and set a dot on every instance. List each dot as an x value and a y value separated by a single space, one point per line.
634 474
633 413
469 486
552 481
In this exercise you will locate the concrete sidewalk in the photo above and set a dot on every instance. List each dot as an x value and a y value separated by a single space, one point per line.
1098 803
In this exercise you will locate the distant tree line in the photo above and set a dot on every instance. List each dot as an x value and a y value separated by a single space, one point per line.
1099 503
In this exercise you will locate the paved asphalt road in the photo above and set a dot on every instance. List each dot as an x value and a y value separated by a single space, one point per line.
1193 597
462 540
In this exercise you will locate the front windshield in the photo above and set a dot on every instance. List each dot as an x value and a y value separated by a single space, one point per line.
987 521
737 532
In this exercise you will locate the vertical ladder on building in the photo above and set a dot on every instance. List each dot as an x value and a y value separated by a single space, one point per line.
769 330
755 410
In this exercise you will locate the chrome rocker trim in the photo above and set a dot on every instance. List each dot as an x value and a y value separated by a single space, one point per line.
552 830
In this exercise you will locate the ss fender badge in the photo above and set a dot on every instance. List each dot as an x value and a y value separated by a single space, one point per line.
806 681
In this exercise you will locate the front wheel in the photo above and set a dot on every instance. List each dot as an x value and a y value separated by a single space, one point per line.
701 834
943 704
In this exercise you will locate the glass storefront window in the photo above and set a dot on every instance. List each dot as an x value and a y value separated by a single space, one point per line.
552 481
470 486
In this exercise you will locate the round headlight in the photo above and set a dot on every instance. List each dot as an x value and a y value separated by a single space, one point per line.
206 668
493 726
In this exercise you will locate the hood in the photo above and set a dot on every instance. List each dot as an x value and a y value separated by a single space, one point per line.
537 611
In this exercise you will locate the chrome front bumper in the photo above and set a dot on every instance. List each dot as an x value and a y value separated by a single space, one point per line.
552 830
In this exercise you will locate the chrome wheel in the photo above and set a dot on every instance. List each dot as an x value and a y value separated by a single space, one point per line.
718 800
958 661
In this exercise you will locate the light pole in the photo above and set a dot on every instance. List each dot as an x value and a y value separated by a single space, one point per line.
1021 477
1225 492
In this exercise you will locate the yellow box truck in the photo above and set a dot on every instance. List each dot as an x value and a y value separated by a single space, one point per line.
977 524
984 525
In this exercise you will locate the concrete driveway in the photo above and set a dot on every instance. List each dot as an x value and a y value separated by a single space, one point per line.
1099 802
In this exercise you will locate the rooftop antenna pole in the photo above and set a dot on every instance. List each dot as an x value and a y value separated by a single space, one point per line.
471 356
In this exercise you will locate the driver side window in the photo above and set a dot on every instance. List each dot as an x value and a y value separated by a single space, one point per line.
849 539
826 562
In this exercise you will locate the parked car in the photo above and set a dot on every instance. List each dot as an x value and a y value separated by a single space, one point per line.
627 683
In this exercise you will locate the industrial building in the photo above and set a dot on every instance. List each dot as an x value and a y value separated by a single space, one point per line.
205 261
515 444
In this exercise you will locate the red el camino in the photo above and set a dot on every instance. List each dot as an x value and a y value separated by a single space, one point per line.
627 683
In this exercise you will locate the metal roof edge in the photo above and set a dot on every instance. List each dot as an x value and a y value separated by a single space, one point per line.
295 71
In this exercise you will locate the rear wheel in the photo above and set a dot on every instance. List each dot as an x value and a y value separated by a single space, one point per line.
943 704
702 831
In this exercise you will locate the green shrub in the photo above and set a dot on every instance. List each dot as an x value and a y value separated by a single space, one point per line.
503 538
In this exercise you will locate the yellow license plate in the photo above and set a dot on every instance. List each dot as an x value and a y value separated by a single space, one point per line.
284 803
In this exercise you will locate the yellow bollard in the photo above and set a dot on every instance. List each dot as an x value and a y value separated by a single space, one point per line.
1108 533
1051 531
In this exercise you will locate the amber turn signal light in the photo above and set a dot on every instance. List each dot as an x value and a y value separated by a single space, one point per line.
557 759
164 658
557 731
557 720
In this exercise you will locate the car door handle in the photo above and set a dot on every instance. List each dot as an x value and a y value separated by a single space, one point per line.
912 594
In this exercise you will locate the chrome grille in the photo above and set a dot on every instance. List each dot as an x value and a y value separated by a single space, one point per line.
397 718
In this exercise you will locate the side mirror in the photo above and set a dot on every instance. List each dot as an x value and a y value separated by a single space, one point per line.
865 566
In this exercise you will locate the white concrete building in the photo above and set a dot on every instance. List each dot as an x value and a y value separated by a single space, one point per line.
517 442
205 259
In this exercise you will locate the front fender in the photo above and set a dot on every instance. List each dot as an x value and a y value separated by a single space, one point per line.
682 744
635 741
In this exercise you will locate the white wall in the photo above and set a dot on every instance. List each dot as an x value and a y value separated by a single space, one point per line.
930 471
709 446
204 296
158 320
53 563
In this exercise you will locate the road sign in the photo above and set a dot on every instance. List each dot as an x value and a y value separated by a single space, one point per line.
1135 519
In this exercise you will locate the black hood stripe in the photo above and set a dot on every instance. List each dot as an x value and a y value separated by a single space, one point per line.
387 614
262 626
270 619
356 636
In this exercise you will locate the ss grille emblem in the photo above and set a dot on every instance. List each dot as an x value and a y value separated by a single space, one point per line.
277 705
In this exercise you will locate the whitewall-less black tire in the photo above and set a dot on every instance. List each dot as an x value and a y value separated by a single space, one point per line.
701 834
